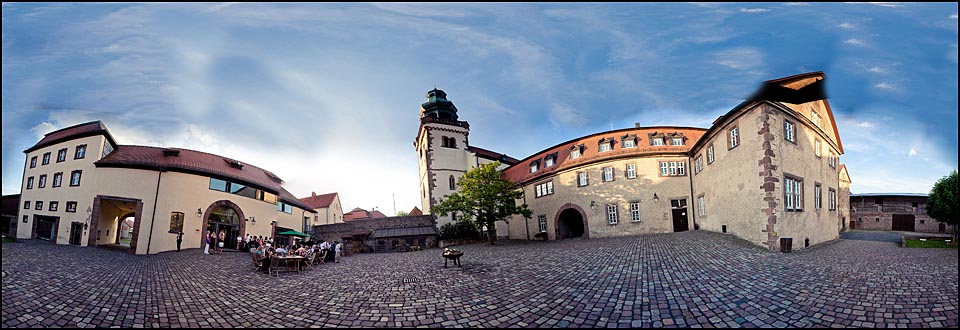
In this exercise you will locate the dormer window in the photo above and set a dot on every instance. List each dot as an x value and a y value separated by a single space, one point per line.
629 141
576 151
170 152
657 139
606 144
676 141
534 166
550 160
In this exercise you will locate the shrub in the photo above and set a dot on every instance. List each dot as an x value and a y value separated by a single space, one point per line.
459 229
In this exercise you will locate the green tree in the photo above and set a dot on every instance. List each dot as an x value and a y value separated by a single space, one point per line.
402 213
484 198
942 205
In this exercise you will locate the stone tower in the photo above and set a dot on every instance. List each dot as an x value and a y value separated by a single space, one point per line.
442 151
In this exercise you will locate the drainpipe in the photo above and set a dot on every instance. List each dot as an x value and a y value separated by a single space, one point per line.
526 221
153 220
693 198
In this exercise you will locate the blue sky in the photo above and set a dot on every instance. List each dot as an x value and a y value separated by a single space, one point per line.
327 95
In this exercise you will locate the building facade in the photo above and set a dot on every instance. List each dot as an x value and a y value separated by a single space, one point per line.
328 207
445 154
79 185
899 212
767 171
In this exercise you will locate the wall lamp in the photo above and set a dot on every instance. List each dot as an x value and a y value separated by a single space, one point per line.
199 212
252 219
655 198
593 204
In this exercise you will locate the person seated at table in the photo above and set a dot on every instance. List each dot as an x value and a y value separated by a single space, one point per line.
281 250
268 254
301 251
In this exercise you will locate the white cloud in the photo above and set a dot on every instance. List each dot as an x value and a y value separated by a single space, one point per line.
42 129
912 153
880 4
855 42
847 25
221 6
866 124
877 69
885 85
739 58
753 10
954 16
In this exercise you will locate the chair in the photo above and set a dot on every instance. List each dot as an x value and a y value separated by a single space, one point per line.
309 260
322 257
256 261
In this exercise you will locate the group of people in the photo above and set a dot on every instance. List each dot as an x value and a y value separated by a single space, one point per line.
214 240
331 252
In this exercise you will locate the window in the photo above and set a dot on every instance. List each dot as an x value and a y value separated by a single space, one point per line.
734 137
607 174
107 148
832 160
544 189
176 222
534 166
817 196
677 141
606 145
30 183
630 142
46 159
43 181
33 161
612 214
453 183
61 155
54 206
635 211
816 148
816 118
543 223
710 154
284 207
38 205
789 131
702 205
673 168
81 152
575 152
678 203
26 205
582 179
698 165
57 179
793 194
657 141
832 199
549 161
75 178
631 171
448 142
72 206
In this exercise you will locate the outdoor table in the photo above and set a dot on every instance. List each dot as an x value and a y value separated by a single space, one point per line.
293 262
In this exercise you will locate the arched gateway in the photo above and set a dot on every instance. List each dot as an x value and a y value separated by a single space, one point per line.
571 222
226 216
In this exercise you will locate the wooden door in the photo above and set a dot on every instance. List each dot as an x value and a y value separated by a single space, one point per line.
903 222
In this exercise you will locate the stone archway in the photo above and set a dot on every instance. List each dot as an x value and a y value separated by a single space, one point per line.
242 223
571 222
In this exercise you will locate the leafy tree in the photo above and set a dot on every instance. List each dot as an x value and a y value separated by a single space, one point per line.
484 198
942 205
402 213
459 229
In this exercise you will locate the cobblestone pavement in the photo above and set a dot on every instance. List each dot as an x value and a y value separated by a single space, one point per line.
692 279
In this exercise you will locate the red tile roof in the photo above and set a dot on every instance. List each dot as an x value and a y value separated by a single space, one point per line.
319 201
73 132
415 211
520 172
199 163
491 155
358 213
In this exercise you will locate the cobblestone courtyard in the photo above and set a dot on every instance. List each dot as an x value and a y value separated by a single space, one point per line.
693 279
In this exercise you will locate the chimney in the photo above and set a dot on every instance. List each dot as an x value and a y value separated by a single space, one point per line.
637 124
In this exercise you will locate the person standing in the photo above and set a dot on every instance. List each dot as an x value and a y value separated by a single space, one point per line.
206 249
239 242
179 240
339 251
223 237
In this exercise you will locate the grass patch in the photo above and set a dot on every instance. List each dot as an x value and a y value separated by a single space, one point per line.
8 239
929 244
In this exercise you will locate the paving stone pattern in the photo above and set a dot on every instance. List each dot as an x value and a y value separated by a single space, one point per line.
692 279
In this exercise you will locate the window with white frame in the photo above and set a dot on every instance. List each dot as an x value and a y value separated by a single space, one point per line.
62 155
612 214
698 164
789 131
657 141
817 196
46 159
702 205
673 168
575 152
793 194
80 152
75 178
582 179
630 142
534 166
57 179
549 161
544 189
816 148
816 118
710 154
54 205
30 182
676 141
635 211
631 171
832 199
606 145
607 174
542 219
734 137
43 181
832 160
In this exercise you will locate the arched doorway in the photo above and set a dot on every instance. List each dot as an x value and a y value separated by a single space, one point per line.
227 217
571 223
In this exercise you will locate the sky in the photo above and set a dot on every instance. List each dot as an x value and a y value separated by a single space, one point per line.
327 95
